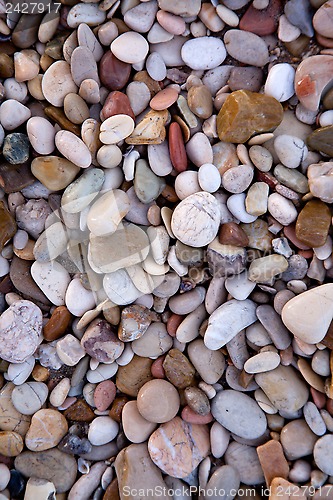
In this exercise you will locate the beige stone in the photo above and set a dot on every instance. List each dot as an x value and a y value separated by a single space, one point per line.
47 429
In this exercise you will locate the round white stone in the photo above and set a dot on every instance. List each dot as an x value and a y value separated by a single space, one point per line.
203 53
102 430
280 82
130 47
41 134
209 178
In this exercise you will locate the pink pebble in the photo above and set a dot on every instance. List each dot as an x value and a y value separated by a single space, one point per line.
171 23
67 403
289 232
307 254
104 394
194 418
319 398
157 369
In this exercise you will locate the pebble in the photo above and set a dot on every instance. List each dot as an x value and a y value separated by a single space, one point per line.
203 53
314 419
29 397
209 178
310 328
209 364
54 93
136 428
16 148
82 191
130 47
280 82
290 150
313 223
323 454
237 179
202 220
53 465
113 73
11 444
227 320
101 343
284 389
301 18
46 430
155 342
199 149
102 430
273 461
256 201
262 362
230 407
13 114
282 209
256 53
225 478
244 460
5 476
185 446
148 397
20 331
88 13
41 135
319 176
297 439
69 350
178 370
53 279
73 148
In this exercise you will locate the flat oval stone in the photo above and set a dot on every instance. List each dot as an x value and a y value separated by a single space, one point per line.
53 279
239 413
54 172
11 443
203 53
195 221
82 191
280 82
255 52
53 465
265 268
10 418
116 128
57 82
228 320
76 109
73 148
114 74
244 113
13 114
290 150
102 430
20 331
262 362
41 134
155 342
308 315
184 446
297 439
149 398
29 397
88 13
313 223
130 47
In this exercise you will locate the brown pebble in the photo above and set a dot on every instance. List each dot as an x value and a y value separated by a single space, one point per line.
169 194
173 323
232 234
117 408
117 103
112 491
164 99
21 278
40 373
6 66
319 398
57 324
177 149
7 225
313 223
262 22
11 443
131 377
13 178
272 460
200 102
114 74
153 85
58 116
178 370
80 411
197 400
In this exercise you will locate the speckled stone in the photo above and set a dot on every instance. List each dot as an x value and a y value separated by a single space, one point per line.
16 148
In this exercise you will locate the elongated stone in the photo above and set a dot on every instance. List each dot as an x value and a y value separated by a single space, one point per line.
313 223
245 113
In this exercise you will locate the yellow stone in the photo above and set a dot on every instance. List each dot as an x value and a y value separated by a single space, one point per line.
11 443
54 172
245 113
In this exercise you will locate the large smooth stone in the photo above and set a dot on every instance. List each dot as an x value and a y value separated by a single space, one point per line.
228 320
239 413
245 113
81 192
309 315
284 388
195 221
20 331
57 82
53 279
203 53
58 467
313 223
135 470
178 447
128 246
313 75
246 47
54 172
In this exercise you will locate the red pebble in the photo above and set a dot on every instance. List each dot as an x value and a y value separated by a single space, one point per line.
173 323
157 369
176 148
194 418
289 232
116 103
114 74
262 22
104 394
319 398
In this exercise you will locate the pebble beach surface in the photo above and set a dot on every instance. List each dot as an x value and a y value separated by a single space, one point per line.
166 266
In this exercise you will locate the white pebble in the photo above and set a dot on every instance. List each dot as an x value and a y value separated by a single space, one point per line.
280 82
209 178
102 430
